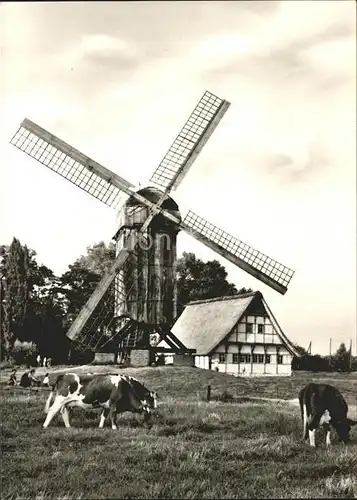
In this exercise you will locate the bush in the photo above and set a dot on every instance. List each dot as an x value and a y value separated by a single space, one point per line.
24 352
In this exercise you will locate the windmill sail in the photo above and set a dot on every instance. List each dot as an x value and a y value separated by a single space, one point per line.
190 141
70 163
259 265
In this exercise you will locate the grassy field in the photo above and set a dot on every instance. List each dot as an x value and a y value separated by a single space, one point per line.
245 448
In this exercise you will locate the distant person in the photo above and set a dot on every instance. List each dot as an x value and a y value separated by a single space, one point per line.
46 381
44 361
215 365
13 379
38 359
29 379
34 380
25 380
49 362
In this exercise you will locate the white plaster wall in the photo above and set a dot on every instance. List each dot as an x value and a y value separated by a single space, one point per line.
250 338
284 369
271 369
232 369
258 368
202 362
245 368
259 337
283 350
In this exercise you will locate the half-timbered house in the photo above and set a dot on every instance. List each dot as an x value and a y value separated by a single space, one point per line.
238 335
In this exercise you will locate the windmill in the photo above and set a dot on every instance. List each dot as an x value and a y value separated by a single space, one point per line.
137 296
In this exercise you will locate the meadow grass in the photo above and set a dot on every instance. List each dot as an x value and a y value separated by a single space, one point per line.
195 449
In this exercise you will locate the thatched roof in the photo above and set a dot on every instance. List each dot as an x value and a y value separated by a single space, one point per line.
205 323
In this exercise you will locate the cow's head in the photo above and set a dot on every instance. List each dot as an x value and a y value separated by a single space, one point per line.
343 428
151 400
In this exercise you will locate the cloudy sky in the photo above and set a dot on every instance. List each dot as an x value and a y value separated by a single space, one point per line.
118 81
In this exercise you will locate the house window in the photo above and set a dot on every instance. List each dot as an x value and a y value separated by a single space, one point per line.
280 359
244 358
235 357
222 357
260 328
258 358
267 358
249 327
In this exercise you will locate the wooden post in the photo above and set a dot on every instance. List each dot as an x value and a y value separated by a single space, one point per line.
251 358
209 393
1 299
265 358
239 353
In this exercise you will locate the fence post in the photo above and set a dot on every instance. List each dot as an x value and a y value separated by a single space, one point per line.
209 393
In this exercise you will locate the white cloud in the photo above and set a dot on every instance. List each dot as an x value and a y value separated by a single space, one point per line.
101 45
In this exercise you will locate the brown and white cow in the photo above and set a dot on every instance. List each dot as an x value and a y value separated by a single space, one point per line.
322 405
114 393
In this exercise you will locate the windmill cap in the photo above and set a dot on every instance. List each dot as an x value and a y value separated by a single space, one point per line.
153 194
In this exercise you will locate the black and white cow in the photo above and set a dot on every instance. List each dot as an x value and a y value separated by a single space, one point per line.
114 393
323 406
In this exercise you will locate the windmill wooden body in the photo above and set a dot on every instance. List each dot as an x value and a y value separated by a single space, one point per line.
147 281
138 294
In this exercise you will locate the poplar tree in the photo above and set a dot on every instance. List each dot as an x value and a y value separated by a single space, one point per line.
16 293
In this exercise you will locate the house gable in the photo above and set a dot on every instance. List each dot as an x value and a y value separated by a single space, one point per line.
255 326
256 308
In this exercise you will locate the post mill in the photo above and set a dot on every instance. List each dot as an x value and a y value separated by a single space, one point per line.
136 298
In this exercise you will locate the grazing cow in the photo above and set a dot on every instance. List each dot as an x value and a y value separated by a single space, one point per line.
114 393
323 405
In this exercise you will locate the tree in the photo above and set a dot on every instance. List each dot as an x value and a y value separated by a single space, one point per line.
78 284
16 293
99 258
82 277
342 358
198 280
301 351
34 309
